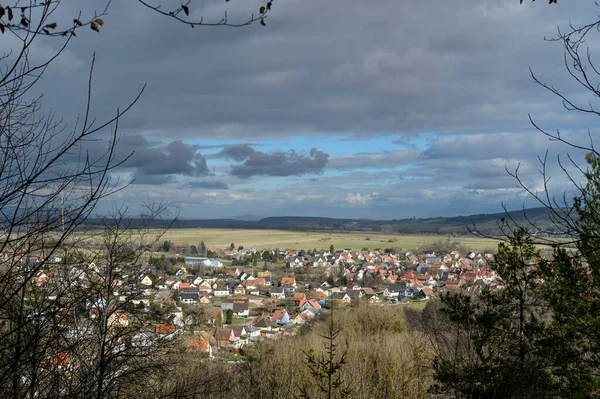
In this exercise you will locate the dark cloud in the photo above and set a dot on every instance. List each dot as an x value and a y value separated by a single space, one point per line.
237 152
215 185
289 163
464 83
140 178
215 146
361 79
176 157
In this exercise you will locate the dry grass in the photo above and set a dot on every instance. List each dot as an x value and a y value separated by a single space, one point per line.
263 239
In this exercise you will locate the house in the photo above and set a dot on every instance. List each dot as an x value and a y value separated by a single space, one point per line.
311 303
264 325
432 259
352 296
288 290
427 292
319 261
232 336
118 320
221 292
190 320
252 332
299 319
278 293
224 337
288 282
164 329
296 261
62 361
280 316
205 286
243 276
299 297
146 280
200 345
189 295
239 290
393 291
238 306
176 318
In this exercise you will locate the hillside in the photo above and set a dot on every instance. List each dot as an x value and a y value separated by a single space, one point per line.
487 224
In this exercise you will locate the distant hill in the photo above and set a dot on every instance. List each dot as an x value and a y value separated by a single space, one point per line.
486 223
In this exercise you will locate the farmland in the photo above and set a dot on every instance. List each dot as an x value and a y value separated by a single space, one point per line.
262 239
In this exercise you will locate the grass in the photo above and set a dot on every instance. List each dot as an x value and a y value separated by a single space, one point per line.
270 239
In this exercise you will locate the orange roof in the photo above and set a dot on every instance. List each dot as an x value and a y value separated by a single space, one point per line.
299 296
197 344
165 328
288 280
169 301
312 302
408 275
184 285
369 291
61 359
278 314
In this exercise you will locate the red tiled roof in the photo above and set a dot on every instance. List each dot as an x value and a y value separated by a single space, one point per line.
165 328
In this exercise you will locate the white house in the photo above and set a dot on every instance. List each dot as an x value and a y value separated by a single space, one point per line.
146 281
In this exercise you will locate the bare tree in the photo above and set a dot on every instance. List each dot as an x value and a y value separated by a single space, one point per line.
66 327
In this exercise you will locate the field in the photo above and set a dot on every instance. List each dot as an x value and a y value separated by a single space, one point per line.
263 239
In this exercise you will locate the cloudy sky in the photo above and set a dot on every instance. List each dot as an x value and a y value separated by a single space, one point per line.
342 108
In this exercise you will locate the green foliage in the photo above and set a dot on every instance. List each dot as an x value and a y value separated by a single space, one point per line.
496 336
176 297
573 294
229 316
539 336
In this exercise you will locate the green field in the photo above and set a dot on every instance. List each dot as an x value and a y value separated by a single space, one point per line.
269 239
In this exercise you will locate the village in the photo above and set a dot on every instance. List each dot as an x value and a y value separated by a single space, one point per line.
217 309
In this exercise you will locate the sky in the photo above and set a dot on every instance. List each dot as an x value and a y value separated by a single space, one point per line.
382 109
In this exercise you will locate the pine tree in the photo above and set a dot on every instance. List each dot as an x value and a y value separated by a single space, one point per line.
326 366
488 345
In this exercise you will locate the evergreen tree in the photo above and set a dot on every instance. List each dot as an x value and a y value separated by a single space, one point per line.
202 249
573 292
489 345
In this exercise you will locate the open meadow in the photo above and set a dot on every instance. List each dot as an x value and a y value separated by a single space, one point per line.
265 239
